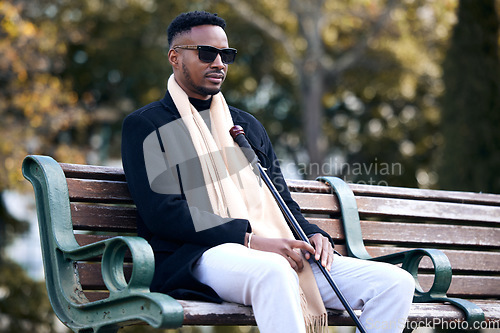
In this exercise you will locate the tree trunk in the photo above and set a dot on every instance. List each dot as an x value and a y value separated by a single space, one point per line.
312 85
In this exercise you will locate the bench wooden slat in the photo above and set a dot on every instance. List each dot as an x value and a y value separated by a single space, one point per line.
399 192
322 203
117 174
103 191
93 172
116 191
97 217
461 286
469 286
422 210
203 313
430 234
103 218
85 239
394 233
91 277
426 195
307 186
461 261
317 203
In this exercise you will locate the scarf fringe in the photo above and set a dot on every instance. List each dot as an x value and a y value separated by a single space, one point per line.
314 323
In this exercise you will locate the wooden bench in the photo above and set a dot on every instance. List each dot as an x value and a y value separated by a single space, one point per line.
98 272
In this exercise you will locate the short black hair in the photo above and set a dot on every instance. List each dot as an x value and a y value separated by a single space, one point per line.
185 21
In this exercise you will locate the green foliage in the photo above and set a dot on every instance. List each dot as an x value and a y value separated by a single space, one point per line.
371 81
359 81
96 61
37 106
24 306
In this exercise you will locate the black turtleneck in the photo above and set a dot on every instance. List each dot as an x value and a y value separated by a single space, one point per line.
201 104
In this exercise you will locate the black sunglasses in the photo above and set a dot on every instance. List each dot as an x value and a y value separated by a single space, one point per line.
208 53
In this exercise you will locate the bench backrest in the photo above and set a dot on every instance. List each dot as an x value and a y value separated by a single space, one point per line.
465 226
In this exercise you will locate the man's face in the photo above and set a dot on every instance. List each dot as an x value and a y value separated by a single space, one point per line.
197 78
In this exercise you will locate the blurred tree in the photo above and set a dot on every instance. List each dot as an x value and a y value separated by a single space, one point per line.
357 80
39 109
24 306
360 79
305 30
471 104
386 113
36 107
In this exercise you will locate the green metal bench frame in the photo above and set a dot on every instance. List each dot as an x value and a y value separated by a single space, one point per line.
128 302
131 301
409 259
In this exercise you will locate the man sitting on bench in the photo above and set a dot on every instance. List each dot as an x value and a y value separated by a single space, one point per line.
215 229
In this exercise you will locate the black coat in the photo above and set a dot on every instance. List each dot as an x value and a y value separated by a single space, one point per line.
164 219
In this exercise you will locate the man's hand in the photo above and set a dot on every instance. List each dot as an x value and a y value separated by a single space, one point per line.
288 248
323 250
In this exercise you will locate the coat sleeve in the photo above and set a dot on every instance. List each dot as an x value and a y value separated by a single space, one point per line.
271 162
166 217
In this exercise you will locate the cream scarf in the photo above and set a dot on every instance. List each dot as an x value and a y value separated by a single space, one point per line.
235 191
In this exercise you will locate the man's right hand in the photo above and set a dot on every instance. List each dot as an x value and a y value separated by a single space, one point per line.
290 249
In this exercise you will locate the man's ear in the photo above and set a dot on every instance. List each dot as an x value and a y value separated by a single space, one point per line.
173 58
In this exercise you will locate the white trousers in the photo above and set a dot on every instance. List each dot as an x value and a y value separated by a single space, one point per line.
267 282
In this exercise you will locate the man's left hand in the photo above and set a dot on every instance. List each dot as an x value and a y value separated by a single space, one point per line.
323 250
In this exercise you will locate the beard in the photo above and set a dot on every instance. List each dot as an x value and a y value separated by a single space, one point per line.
199 89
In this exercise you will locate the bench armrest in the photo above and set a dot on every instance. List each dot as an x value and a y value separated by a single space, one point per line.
409 259
350 217
129 302
442 279
113 252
